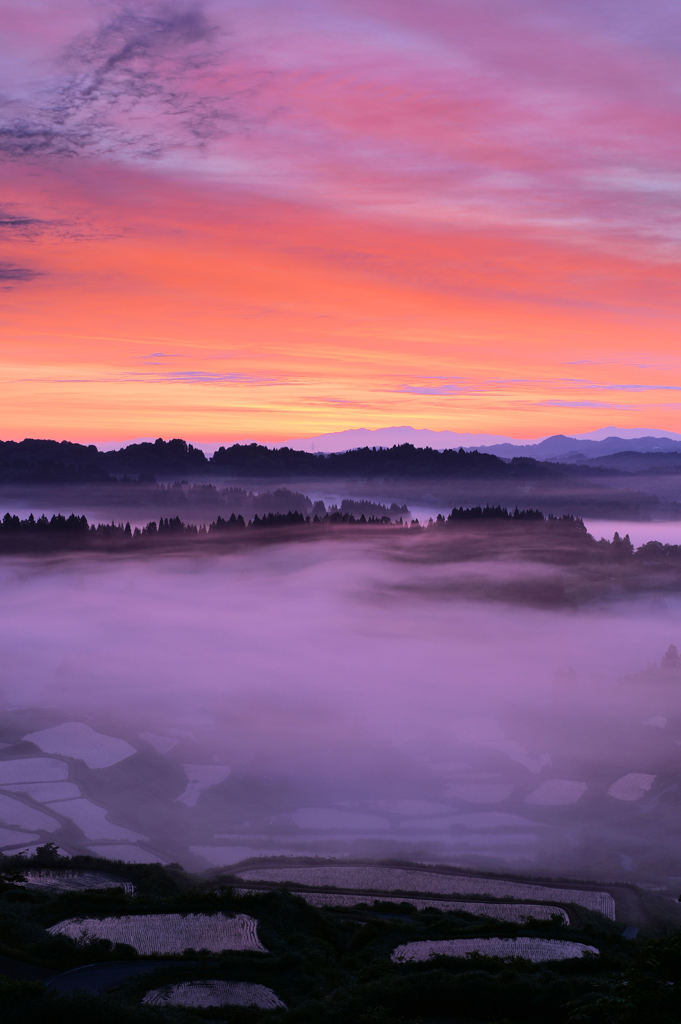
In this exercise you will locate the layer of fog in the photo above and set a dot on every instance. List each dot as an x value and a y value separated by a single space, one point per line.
326 698
642 498
195 502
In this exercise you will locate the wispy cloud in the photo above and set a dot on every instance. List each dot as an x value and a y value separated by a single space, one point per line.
210 377
580 404
609 362
160 377
146 66
11 274
537 385
16 224
436 389
637 387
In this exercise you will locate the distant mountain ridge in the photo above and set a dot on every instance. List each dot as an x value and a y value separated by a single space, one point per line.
558 447
387 437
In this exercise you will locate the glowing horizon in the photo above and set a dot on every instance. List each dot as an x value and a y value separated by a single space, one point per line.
233 221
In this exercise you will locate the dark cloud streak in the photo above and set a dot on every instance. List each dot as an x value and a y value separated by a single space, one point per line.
11 274
147 62
459 386
22 226
163 377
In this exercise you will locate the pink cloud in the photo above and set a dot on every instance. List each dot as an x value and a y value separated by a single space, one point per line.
310 182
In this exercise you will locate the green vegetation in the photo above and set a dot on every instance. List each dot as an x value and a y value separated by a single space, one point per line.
326 964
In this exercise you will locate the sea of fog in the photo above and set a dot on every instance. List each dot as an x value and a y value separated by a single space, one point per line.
667 531
327 698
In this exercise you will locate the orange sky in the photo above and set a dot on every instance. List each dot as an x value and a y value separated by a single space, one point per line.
347 220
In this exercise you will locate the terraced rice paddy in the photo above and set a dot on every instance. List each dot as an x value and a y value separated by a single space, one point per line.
214 993
388 879
81 741
92 820
74 881
14 812
152 934
536 950
632 786
515 912
32 769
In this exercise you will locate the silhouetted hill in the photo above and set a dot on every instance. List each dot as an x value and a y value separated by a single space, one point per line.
404 460
159 458
46 462
56 462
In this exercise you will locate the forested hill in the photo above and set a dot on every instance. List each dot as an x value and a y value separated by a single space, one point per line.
44 462
403 460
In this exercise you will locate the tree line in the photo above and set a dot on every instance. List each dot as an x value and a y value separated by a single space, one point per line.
54 462
76 529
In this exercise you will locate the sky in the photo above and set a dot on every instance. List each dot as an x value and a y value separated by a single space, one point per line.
254 219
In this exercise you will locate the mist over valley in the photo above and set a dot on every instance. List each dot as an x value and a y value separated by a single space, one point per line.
421 695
